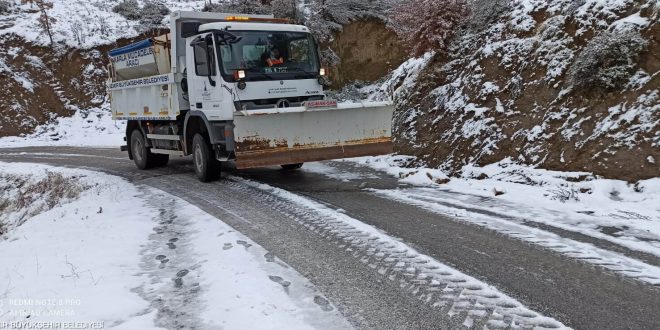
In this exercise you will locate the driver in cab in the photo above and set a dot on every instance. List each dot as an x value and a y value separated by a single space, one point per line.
274 57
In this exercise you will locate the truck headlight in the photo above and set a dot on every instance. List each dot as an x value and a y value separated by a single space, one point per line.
239 74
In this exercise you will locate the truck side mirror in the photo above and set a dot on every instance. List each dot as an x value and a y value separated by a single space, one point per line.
210 58
202 46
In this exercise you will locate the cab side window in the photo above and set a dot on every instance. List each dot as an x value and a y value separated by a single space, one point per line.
203 57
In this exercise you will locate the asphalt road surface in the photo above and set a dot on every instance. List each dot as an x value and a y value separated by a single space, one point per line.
574 292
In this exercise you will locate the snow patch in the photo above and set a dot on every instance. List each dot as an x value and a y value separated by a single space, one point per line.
92 127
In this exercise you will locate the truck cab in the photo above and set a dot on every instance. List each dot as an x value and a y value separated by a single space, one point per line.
254 65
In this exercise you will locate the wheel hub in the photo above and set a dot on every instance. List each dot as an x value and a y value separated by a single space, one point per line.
199 162
138 150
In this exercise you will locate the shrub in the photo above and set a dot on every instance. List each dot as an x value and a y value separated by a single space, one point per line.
487 12
239 6
152 14
607 61
284 9
5 6
426 25
155 7
573 7
130 9
564 194
21 198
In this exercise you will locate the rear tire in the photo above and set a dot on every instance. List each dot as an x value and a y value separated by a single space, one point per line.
142 156
206 166
291 167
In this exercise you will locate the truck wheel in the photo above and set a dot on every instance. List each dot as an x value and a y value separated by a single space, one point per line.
142 156
291 167
207 167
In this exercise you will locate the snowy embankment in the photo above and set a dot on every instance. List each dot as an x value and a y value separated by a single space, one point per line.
625 213
518 200
81 246
86 128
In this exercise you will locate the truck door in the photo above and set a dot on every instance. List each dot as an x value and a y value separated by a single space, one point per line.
203 80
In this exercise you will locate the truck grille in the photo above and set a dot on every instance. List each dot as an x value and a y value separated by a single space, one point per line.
290 102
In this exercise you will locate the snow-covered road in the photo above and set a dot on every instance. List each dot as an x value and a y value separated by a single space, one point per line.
135 257
385 261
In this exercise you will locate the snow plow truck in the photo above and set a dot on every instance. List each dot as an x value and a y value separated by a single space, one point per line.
247 89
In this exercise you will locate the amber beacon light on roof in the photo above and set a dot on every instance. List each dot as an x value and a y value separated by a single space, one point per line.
257 19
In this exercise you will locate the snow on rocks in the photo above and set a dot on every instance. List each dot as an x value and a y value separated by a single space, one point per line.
132 257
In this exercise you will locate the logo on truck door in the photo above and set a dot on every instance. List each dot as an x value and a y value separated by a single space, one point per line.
206 94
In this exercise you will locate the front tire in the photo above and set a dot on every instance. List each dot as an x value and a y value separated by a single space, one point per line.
206 166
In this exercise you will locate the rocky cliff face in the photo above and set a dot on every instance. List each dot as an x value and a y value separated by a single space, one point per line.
565 85
367 50
40 84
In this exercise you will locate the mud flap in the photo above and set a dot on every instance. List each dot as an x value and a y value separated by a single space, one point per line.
299 135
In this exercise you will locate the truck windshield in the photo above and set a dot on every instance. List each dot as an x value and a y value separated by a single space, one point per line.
268 55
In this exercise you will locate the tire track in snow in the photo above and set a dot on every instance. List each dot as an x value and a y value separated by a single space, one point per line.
444 288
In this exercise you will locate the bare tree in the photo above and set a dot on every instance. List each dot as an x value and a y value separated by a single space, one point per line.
45 20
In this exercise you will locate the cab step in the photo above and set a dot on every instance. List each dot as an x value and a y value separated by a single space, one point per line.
165 137
167 152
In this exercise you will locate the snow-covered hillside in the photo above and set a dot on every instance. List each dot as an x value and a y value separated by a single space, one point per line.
80 24
561 84
44 82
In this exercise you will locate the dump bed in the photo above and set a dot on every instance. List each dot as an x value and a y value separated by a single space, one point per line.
142 85
151 98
